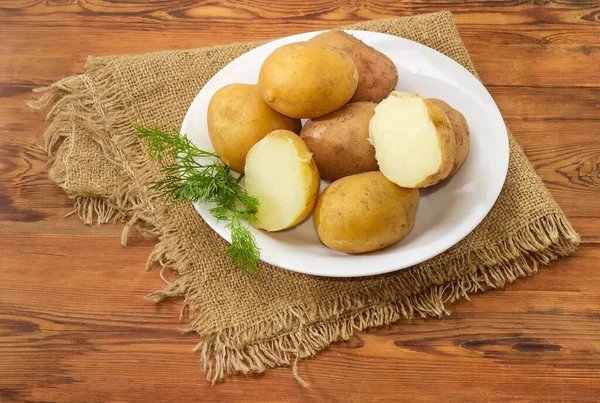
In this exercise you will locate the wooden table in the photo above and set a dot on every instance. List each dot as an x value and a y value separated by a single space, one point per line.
73 322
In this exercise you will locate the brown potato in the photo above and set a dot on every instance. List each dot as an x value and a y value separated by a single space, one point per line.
238 118
364 213
377 74
340 141
461 133
413 139
307 79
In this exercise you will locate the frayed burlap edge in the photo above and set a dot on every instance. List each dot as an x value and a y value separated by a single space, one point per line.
76 102
232 350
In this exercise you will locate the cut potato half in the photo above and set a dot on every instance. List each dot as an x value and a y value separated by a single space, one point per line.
282 175
413 140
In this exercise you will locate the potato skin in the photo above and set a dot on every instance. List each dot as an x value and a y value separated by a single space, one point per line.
364 213
446 142
340 141
307 80
238 118
461 133
377 74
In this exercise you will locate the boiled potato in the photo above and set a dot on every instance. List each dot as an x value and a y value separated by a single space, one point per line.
364 212
377 74
238 118
282 175
461 133
307 80
413 139
340 141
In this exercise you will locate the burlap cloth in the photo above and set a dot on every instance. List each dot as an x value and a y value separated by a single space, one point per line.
250 323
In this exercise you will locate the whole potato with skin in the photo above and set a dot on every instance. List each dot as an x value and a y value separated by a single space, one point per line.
307 80
238 118
340 141
461 133
364 213
377 74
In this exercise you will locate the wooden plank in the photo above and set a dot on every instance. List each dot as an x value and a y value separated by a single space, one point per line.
254 14
546 104
522 56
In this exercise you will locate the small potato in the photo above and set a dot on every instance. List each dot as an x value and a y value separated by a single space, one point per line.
307 80
364 212
413 139
282 175
340 141
238 118
461 133
377 74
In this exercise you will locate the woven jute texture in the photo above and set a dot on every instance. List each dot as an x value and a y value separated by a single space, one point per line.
250 323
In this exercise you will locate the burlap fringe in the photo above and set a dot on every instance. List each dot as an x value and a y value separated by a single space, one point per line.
302 331
74 104
234 350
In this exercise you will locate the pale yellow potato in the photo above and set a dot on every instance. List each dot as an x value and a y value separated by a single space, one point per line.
340 141
364 213
282 175
461 133
307 79
377 74
238 118
413 139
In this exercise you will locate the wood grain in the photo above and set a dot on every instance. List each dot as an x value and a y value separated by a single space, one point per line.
74 325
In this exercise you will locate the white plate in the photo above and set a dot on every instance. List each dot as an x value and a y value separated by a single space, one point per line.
446 213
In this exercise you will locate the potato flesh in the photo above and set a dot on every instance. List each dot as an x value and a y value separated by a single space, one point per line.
280 179
405 140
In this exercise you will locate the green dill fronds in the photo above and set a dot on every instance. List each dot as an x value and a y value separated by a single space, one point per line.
243 250
186 179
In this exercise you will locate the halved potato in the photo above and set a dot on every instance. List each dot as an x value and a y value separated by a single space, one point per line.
282 175
413 139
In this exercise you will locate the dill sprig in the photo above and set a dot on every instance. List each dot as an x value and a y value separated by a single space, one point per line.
187 179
